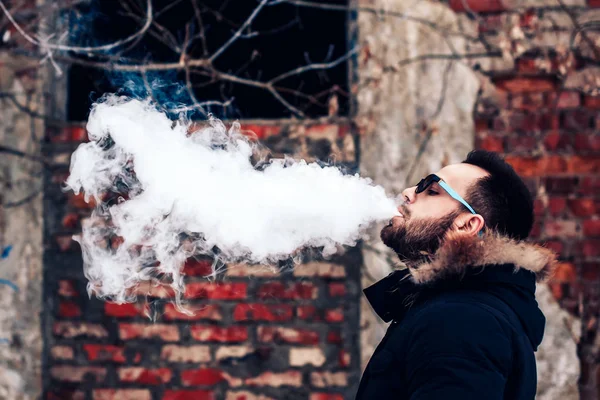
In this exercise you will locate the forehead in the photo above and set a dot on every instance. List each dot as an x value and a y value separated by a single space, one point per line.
461 176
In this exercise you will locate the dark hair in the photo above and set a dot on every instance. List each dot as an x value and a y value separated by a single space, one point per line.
502 198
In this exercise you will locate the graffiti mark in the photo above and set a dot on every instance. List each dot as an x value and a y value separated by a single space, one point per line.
6 252
10 284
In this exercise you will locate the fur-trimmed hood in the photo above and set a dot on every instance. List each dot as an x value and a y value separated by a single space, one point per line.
458 254
488 265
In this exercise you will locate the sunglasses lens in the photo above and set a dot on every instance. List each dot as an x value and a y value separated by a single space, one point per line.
425 182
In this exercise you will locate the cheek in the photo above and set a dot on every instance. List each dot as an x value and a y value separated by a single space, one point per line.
433 207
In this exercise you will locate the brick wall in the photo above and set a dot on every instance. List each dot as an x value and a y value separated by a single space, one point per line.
257 333
548 130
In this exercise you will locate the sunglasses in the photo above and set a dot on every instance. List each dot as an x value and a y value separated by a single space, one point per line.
433 178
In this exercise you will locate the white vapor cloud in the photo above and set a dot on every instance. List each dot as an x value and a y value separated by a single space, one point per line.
188 192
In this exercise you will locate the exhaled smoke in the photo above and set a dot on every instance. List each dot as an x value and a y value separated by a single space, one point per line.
186 193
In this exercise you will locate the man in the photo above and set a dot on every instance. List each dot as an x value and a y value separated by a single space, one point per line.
465 322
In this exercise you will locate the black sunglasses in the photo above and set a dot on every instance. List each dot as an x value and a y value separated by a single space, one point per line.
433 178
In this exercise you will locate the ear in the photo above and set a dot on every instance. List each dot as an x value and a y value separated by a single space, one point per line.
469 224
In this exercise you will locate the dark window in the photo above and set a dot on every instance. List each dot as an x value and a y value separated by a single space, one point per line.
282 37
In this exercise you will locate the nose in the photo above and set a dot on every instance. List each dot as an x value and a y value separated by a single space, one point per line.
409 194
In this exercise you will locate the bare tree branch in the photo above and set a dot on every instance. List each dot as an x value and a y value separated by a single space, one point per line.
45 45
238 33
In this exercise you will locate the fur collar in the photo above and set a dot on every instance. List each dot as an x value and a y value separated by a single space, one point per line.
458 253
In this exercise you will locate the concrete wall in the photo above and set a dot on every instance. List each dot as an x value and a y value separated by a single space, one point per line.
413 119
20 227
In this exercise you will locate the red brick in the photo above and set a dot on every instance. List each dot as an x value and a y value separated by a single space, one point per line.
77 329
78 201
229 334
528 66
491 143
103 352
68 309
594 3
569 100
521 85
245 395
239 352
556 185
528 101
557 205
65 394
320 269
185 354
280 290
586 142
246 270
554 245
70 221
67 288
591 272
62 352
482 125
560 228
337 289
188 395
260 132
200 312
161 291
329 396
77 133
334 337
547 121
590 247
276 379
590 185
565 272
591 227
490 23
585 207
207 377
145 376
521 143
592 102
262 312
122 310
306 312
344 359
116 242
478 6
68 134
194 267
280 334
216 290
324 379
70 373
536 230
168 333
334 315
121 394
554 141
537 166
583 164
577 120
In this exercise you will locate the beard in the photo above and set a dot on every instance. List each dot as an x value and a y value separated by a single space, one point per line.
416 240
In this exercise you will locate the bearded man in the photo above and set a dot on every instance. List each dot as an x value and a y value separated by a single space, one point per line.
464 320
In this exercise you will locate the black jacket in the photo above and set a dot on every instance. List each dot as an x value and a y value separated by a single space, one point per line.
464 326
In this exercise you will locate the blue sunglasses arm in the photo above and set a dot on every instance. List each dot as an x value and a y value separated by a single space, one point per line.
455 195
